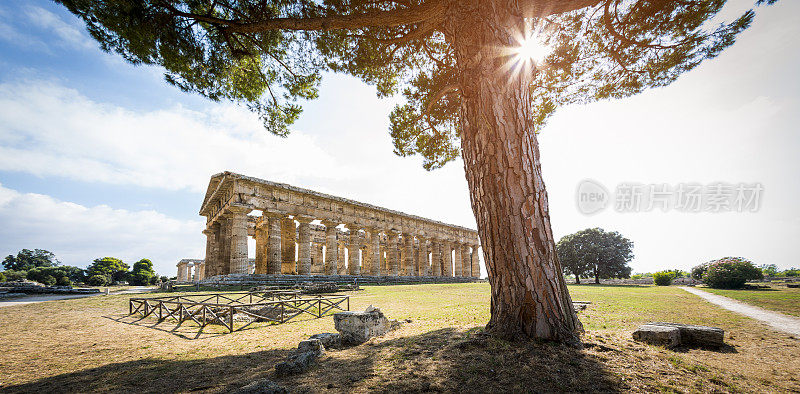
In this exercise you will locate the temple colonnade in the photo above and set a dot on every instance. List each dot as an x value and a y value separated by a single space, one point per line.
299 231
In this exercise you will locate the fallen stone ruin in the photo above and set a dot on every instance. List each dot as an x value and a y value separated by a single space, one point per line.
354 328
312 287
671 335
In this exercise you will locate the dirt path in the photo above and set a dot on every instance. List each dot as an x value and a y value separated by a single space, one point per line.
776 320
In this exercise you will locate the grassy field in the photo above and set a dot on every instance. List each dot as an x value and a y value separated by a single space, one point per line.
90 345
776 297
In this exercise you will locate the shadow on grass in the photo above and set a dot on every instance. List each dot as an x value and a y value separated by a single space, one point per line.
150 375
718 349
185 331
444 360
757 288
188 329
448 360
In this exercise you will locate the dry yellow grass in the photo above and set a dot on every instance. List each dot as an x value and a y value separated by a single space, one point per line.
89 345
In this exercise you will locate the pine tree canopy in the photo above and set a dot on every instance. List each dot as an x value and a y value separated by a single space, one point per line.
270 55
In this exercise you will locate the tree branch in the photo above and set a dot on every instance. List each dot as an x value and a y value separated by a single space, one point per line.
430 10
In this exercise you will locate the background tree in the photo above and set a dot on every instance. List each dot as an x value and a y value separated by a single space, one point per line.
112 268
769 269
571 254
597 252
472 87
142 273
62 275
27 259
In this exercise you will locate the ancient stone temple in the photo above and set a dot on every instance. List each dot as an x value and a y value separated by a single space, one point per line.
299 231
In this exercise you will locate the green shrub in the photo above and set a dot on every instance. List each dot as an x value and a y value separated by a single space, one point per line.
64 281
663 278
697 272
2 277
48 280
791 272
97 280
730 273
15 276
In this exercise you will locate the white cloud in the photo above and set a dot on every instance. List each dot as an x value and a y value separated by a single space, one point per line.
78 234
69 33
47 129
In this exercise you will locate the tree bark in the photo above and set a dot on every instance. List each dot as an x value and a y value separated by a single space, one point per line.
597 273
501 160
577 280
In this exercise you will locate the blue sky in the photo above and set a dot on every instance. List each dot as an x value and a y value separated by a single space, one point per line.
101 158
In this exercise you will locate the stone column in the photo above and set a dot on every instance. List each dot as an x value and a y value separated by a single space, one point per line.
408 254
392 255
331 247
239 261
436 257
353 248
211 240
423 267
288 231
202 271
374 252
317 265
261 248
179 276
466 262
224 258
304 245
273 242
457 261
447 258
476 262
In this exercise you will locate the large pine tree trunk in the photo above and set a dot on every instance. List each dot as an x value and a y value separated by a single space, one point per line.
501 159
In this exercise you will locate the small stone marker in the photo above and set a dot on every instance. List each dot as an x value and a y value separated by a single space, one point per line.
661 333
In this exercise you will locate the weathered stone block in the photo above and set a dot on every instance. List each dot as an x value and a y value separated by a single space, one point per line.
658 335
330 340
296 363
697 335
357 327
311 345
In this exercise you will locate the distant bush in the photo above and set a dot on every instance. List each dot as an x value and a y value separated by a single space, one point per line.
61 274
64 281
2 277
791 272
663 278
48 280
14 276
697 272
730 273
97 280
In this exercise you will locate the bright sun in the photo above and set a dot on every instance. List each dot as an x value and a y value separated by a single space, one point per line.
532 49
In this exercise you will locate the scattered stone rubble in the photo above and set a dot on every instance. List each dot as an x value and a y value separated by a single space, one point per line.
313 287
354 328
671 335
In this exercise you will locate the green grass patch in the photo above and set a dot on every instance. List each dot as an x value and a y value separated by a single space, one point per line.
776 298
